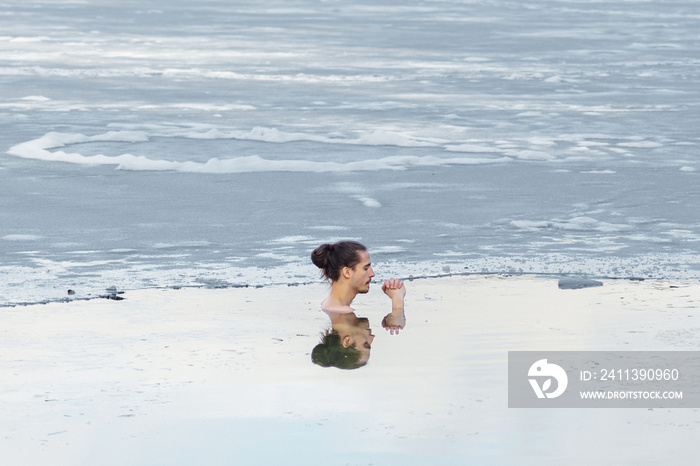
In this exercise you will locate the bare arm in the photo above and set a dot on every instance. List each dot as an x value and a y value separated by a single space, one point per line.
396 319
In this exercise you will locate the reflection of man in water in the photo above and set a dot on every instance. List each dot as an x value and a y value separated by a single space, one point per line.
347 266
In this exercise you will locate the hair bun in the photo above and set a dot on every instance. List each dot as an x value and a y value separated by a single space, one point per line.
320 355
320 256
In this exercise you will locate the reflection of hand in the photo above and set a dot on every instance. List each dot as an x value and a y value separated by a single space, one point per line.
393 323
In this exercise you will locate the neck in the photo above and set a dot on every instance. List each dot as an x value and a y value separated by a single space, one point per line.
341 293
342 322
340 297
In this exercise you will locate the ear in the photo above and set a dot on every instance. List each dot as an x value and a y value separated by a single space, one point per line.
346 341
346 272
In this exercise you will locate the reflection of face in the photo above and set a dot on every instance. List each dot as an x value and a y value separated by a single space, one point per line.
362 338
362 273
357 334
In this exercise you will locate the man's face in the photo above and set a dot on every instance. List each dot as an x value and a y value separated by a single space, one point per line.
362 273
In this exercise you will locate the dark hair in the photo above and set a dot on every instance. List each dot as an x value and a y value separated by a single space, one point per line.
331 258
331 353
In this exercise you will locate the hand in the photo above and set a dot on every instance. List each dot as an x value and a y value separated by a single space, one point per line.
393 323
394 289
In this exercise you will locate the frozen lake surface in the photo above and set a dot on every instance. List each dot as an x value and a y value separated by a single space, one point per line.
216 143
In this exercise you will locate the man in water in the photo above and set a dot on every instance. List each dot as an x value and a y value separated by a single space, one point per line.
346 264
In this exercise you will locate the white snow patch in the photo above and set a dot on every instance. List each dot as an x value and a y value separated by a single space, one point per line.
641 144
368 201
36 98
574 224
476 148
530 155
292 239
21 237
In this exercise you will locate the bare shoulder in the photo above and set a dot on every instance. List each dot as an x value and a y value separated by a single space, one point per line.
334 308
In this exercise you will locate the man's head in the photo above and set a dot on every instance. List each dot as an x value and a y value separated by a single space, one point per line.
347 346
345 260
332 352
